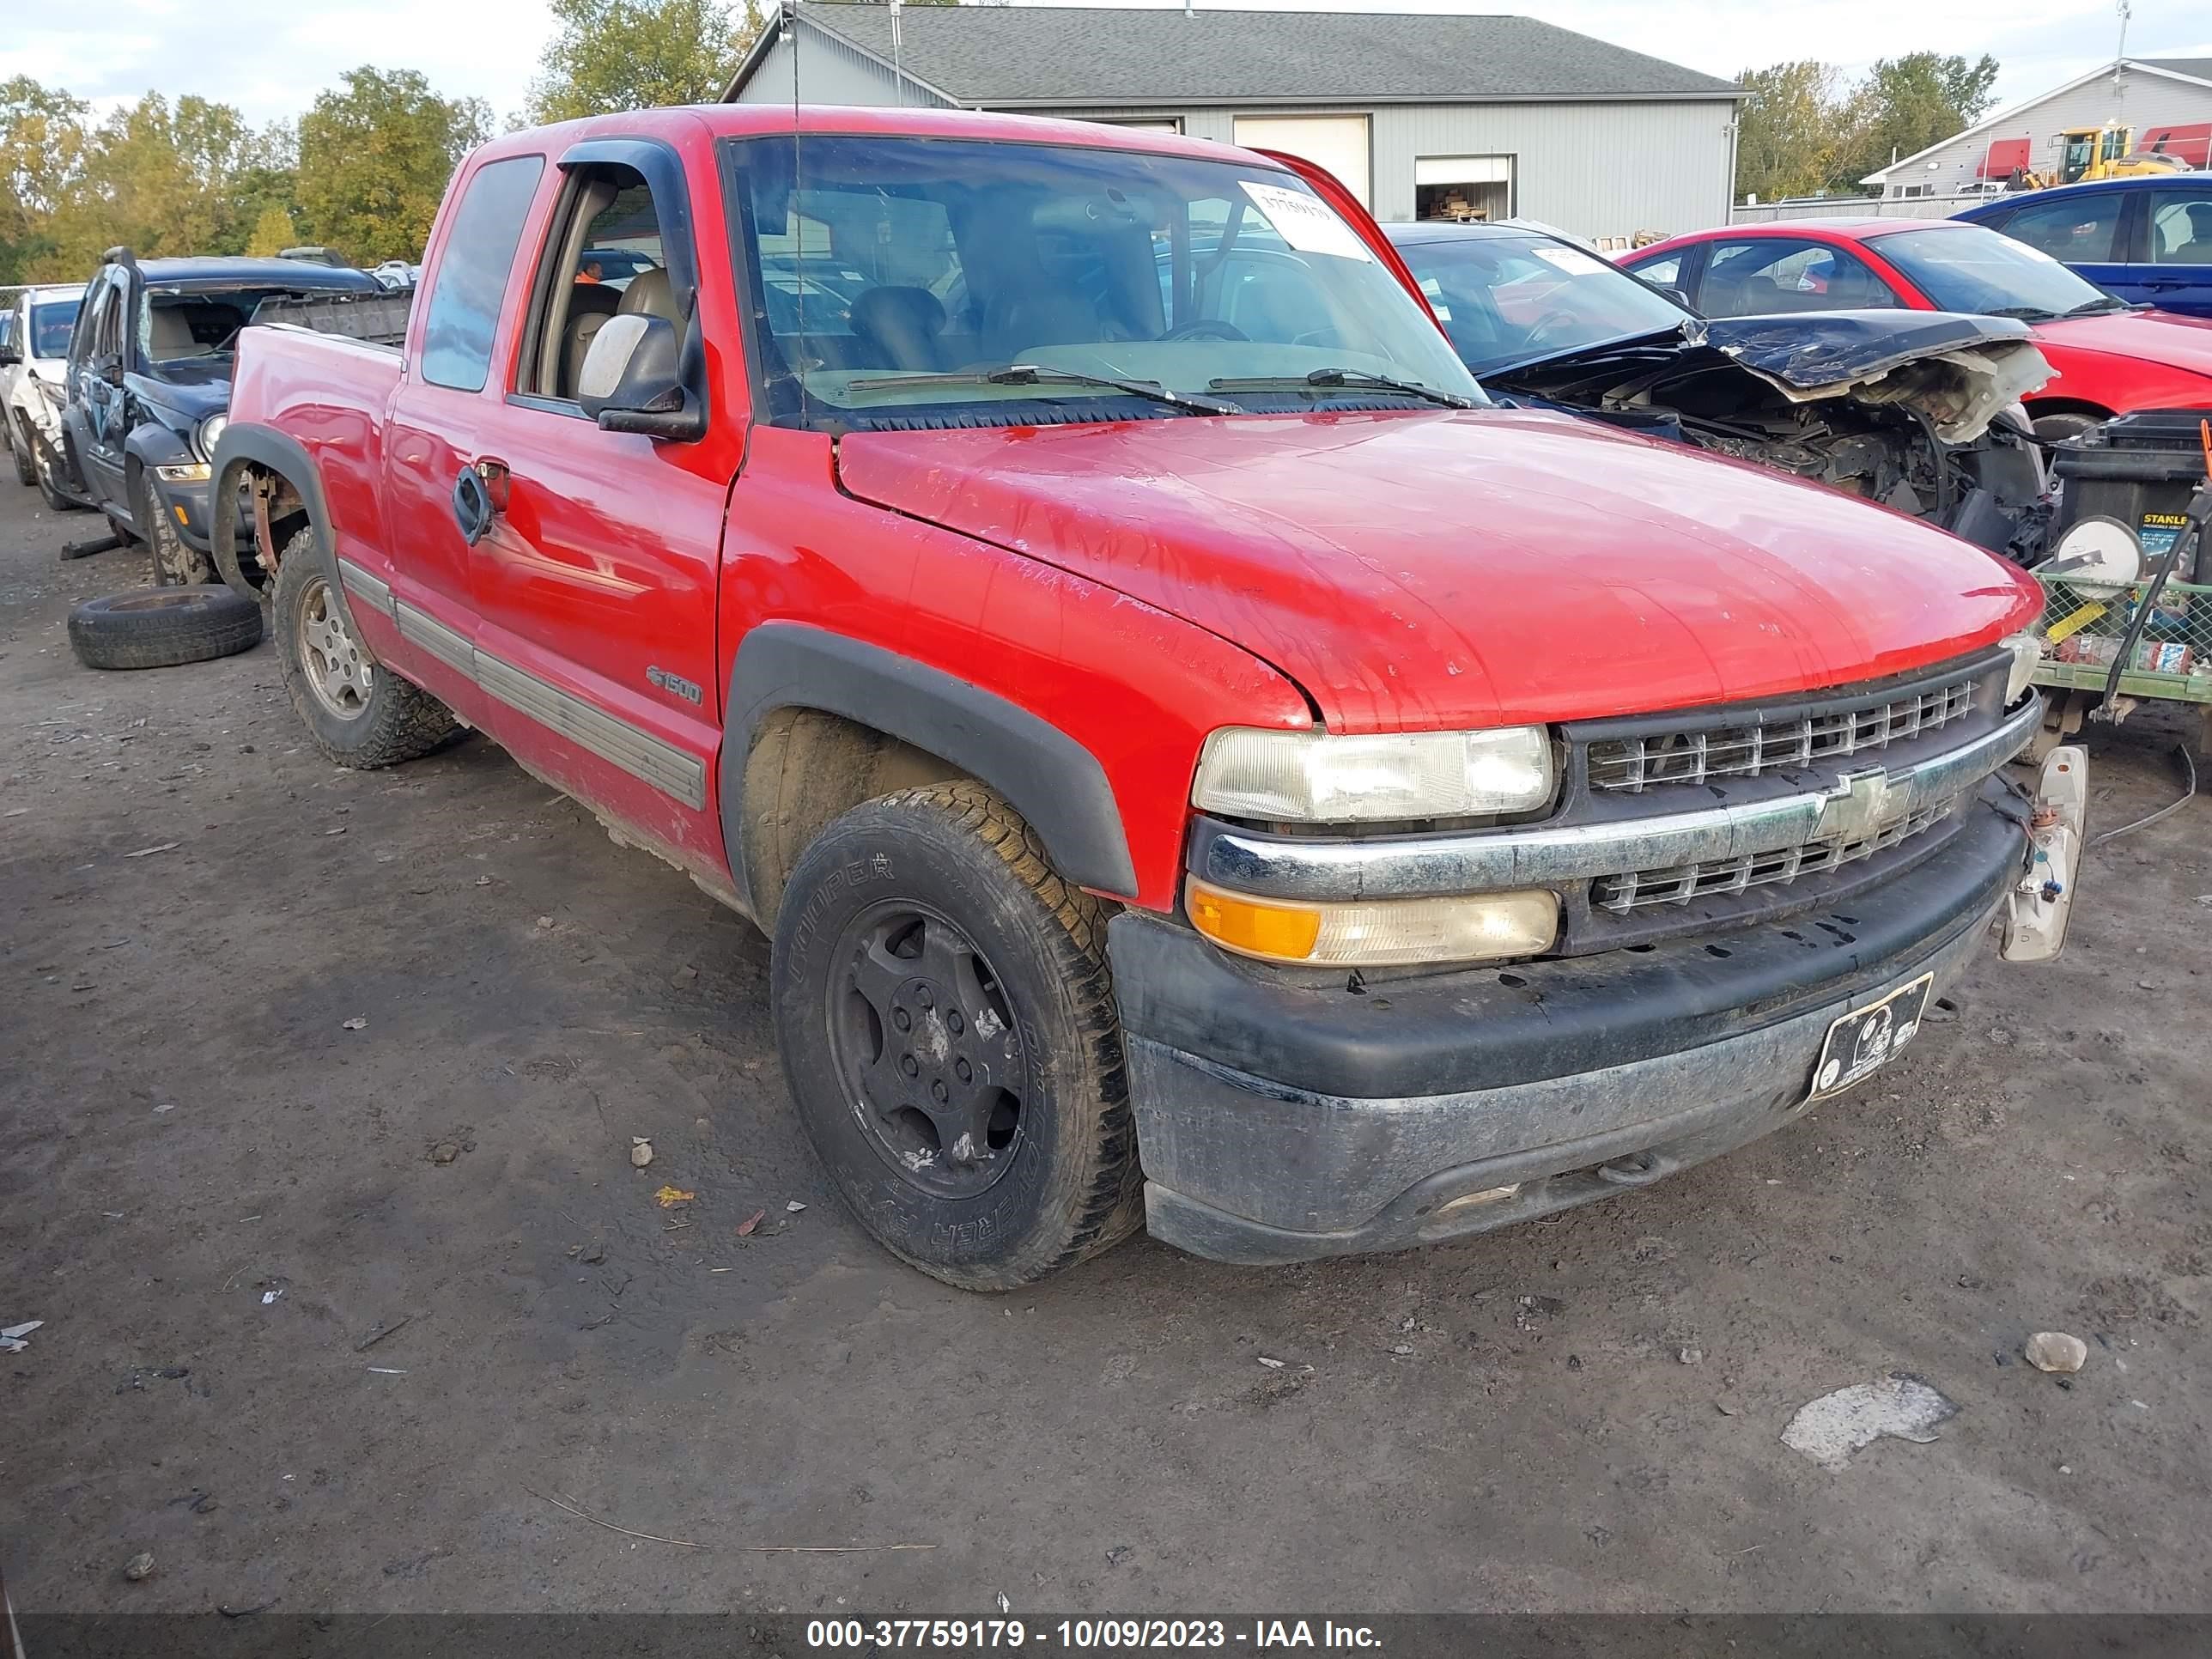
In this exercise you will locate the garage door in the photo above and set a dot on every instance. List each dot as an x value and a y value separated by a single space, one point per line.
1338 143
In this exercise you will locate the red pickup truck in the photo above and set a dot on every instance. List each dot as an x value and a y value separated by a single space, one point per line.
1201 764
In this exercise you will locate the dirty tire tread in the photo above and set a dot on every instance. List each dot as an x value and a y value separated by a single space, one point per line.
168 552
1107 1204
19 448
47 466
402 722
196 624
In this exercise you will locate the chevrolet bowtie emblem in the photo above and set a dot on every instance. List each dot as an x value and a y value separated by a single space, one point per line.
1861 805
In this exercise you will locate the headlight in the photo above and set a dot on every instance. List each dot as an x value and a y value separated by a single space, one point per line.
1312 777
210 430
183 472
1481 927
2027 648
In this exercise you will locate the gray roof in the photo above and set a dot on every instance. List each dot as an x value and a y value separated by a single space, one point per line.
1006 57
2199 67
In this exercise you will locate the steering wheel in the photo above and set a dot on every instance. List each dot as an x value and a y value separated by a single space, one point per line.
1541 333
1206 328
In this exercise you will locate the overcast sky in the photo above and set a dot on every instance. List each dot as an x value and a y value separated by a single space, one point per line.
270 57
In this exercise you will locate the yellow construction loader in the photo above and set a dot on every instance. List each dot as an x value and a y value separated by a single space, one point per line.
2091 153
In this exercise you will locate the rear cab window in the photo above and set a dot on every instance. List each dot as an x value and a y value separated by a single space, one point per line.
470 287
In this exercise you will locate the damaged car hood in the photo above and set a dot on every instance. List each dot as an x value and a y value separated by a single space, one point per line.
1415 571
1958 371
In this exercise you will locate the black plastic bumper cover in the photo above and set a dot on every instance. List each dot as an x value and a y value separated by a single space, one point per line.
1280 1120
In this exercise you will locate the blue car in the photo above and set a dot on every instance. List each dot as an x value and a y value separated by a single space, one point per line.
2146 240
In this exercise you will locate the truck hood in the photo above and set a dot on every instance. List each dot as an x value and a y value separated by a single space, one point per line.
2162 337
1419 571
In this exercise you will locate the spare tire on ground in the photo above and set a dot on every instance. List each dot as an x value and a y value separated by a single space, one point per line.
162 627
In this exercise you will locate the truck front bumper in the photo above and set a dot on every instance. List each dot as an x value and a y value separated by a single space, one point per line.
1281 1118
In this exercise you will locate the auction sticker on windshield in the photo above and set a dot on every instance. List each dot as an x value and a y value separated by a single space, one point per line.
1866 1039
1306 223
1572 260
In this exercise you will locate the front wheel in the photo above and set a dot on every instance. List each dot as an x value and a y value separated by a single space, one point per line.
48 466
18 447
175 562
946 1019
2057 428
359 712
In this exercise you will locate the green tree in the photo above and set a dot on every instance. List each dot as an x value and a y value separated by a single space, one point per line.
273 232
1786 130
42 144
156 178
373 159
1905 105
611 55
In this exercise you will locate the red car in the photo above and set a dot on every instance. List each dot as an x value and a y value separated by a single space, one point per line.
1201 764
2112 358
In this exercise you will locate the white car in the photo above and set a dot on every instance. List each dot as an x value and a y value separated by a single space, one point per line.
34 351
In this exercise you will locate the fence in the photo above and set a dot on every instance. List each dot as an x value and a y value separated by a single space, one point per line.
1871 206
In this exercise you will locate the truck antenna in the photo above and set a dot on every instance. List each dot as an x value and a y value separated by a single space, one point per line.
788 22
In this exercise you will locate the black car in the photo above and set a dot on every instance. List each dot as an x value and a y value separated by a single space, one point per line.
1917 409
148 381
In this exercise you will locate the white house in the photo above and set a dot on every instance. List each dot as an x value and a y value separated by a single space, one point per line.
2168 101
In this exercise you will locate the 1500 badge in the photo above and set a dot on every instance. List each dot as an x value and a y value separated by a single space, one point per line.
676 683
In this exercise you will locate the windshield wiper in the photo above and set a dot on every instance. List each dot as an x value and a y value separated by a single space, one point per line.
1032 375
2102 303
1340 377
2023 314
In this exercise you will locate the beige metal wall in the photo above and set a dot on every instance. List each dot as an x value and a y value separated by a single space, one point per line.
2149 100
1595 169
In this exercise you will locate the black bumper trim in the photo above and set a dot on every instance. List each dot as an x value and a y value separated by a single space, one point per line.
1473 1029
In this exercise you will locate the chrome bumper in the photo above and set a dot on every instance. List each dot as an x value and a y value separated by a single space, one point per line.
1276 866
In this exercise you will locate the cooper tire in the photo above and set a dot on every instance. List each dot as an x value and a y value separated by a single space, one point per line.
360 713
163 627
175 562
46 465
946 1019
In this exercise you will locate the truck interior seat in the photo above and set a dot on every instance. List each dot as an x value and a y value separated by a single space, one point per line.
590 305
650 292
899 327
169 335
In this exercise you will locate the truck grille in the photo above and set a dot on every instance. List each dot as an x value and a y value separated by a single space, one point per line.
1640 889
1751 746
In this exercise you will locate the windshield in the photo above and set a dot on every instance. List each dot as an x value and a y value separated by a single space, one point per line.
1510 297
50 325
1971 269
877 258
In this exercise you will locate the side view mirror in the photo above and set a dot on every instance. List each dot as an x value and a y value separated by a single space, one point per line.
10 353
632 380
112 371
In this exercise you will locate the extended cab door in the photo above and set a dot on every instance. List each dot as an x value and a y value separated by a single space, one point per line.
586 597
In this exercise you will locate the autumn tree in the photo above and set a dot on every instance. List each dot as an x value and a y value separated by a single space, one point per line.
1905 105
42 137
273 232
1786 132
609 55
373 159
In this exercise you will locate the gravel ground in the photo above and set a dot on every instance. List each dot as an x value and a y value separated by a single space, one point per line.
348 1053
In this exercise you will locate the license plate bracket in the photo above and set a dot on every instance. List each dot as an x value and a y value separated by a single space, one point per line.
1861 1042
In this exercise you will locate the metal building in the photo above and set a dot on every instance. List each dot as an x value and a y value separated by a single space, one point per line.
1423 116
2167 101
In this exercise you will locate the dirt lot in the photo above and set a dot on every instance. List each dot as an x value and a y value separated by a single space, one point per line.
213 1188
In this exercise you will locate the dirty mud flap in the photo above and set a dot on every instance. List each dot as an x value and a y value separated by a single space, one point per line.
1860 1043
2039 903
